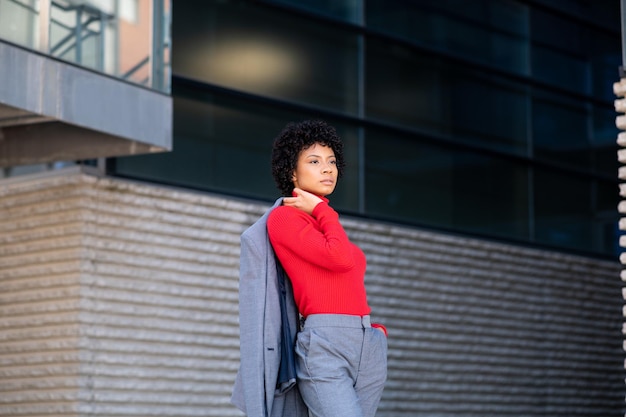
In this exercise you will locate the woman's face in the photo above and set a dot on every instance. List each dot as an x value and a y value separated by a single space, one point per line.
316 170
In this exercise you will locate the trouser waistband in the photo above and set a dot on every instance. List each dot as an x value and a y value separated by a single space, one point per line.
337 320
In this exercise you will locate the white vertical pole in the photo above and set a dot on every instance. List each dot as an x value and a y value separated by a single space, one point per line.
623 26
44 26
619 89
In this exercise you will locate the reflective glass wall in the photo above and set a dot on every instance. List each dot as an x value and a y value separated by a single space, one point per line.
494 120
128 39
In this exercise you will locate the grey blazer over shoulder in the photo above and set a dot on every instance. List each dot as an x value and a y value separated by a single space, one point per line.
255 391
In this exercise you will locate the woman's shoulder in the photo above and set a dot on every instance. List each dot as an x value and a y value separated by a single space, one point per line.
285 216
282 212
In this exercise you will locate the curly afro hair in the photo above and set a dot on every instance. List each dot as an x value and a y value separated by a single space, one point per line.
295 138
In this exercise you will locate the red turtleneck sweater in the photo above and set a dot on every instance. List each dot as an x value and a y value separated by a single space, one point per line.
326 270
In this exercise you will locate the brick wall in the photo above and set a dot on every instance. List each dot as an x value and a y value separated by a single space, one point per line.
120 299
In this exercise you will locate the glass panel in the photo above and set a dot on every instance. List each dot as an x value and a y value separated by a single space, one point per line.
488 111
134 56
603 12
560 131
258 49
348 10
347 195
420 183
77 33
605 59
605 227
563 212
604 141
406 87
18 22
492 32
560 69
559 52
509 16
223 144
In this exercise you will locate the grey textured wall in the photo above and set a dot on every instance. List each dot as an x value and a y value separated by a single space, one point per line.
120 299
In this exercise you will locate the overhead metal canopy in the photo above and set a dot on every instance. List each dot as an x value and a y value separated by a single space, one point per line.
51 110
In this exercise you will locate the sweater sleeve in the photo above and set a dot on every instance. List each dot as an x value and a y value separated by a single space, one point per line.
293 231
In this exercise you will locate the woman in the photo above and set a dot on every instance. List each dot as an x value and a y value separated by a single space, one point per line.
341 358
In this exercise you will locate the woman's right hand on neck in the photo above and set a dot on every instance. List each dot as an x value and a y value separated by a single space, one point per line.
303 200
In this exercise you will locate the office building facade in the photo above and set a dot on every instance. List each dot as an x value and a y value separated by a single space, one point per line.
481 185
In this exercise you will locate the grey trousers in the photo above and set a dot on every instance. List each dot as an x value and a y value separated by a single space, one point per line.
341 365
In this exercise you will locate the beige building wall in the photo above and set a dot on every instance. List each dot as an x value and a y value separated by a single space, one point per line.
119 298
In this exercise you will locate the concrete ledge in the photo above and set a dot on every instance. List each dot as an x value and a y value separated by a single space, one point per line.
108 116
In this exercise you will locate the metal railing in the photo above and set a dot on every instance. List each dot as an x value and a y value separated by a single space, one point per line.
85 33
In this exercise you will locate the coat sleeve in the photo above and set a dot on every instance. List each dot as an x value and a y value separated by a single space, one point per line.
249 390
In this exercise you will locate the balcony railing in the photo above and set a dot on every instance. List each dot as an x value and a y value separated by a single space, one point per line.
128 39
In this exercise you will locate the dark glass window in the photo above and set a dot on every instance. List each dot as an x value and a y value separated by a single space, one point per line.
560 47
605 59
420 91
224 144
214 147
405 88
244 46
574 212
488 111
574 133
561 131
604 226
491 32
495 119
348 10
562 209
603 141
409 180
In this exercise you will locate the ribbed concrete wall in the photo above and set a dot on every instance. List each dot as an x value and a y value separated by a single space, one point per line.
40 261
117 299
120 299
481 329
